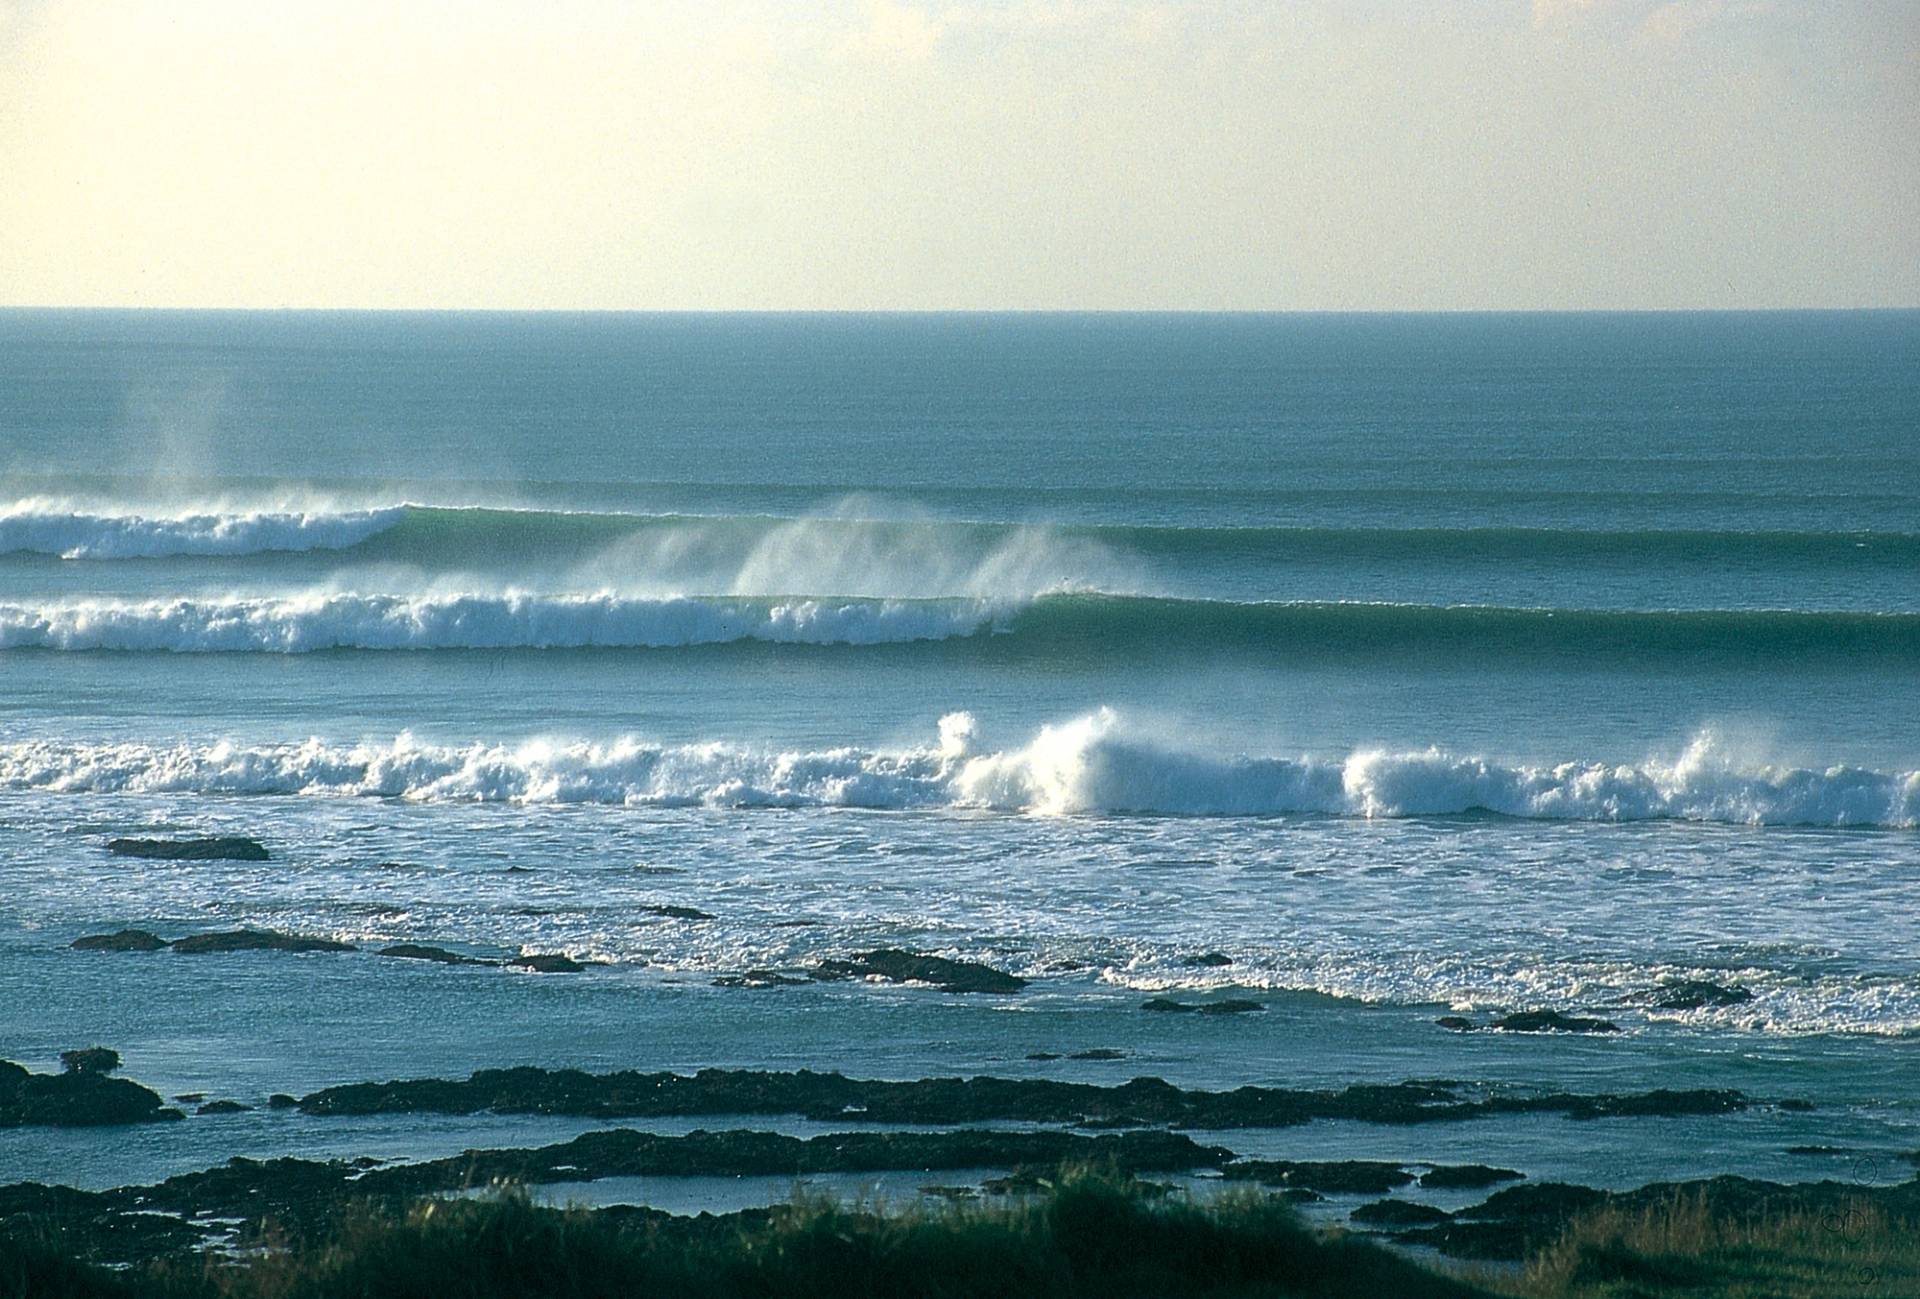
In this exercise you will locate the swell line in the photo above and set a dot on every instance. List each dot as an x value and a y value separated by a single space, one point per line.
1069 623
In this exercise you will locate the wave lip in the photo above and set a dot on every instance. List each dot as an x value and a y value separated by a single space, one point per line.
1098 763
322 621
1058 621
46 529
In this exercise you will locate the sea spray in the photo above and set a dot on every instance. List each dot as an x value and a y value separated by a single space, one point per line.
48 528
1094 764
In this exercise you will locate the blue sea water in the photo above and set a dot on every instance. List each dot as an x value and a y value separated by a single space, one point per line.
1416 663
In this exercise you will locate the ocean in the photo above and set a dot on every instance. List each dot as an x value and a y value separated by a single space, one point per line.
1415 665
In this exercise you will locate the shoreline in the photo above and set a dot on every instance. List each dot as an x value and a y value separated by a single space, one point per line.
991 1144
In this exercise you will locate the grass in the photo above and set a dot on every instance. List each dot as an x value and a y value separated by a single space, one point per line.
1092 1235
1684 1248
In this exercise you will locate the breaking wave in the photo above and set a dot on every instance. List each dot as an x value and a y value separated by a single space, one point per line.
1065 622
325 621
48 528
1097 763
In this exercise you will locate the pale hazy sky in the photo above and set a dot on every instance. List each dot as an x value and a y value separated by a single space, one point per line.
1295 154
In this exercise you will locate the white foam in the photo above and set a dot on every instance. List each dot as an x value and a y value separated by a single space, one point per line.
327 620
54 528
1094 764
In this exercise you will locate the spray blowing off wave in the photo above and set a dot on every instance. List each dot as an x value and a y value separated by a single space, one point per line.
309 623
48 528
1069 623
1095 764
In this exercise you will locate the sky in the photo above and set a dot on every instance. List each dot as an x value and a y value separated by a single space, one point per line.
981 154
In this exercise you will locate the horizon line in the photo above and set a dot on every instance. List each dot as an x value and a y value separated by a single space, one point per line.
204 309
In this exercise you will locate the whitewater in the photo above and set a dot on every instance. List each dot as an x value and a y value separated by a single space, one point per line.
1093 764
49 528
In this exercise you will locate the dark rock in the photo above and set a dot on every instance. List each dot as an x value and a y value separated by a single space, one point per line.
77 1098
1333 1177
1819 1150
1099 1053
1472 1176
223 1107
678 913
90 1059
897 966
1693 994
1796 1106
257 940
758 979
519 870
418 952
126 940
1458 1023
1398 1213
282 1101
1207 960
829 1096
224 848
1065 965
1043 1055
622 1152
1165 1005
1551 1021
190 1098
546 963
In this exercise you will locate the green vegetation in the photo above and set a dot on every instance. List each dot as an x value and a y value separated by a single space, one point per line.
1687 1248
1092 1234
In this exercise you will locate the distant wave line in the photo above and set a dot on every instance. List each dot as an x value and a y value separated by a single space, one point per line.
1076 623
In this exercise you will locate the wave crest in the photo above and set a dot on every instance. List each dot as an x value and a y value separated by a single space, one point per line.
47 528
309 623
1098 763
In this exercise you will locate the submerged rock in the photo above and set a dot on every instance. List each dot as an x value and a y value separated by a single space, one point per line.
759 979
223 1107
1530 1021
677 913
1445 1177
1231 1006
76 1098
222 848
1551 1021
898 966
1099 1053
257 940
125 940
545 963
90 1059
420 952
1333 1177
1207 961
